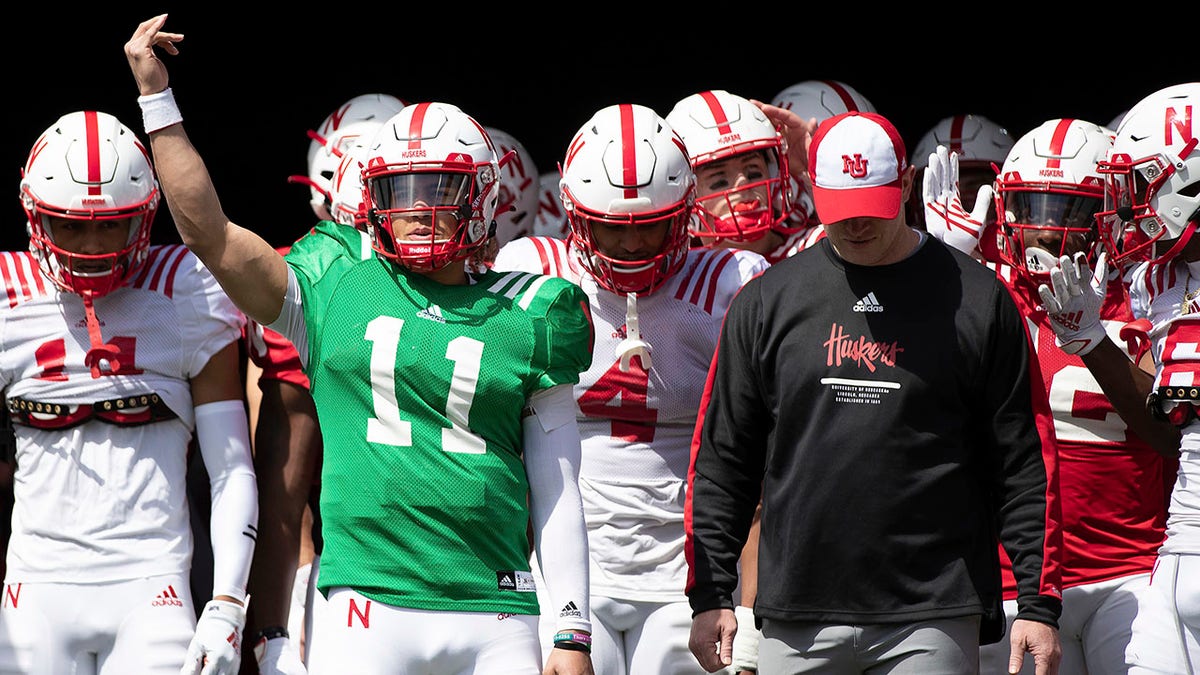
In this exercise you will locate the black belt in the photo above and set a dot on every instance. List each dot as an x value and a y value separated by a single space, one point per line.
125 411
1177 405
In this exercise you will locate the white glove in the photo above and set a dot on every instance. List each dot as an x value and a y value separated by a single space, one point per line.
945 217
216 649
745 642
1074 303
277 656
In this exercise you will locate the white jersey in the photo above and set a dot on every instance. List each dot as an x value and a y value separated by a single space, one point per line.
98 501
1164 294
637 426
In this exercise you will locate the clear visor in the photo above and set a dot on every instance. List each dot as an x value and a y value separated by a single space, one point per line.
403 191
1052 209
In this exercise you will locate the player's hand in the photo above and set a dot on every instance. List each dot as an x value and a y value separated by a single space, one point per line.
1042 643
277 657
568 662
216 648
796 131
148 70
1073 302
745 643
712 637
945 217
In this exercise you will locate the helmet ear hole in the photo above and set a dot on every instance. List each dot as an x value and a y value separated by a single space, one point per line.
382 233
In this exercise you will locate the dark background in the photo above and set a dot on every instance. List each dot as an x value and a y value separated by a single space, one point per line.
250 82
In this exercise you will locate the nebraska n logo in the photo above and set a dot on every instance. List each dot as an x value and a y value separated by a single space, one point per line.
856 166
1180 123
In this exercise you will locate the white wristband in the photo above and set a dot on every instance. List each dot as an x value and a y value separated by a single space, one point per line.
159 111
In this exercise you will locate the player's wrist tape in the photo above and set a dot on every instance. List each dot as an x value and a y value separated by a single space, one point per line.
573 641
271 632
159 111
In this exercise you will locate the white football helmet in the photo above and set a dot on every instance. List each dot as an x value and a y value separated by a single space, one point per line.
360 116
518 189
977 140
627 168
551 220
346 206
1153 175
1048 193
982 146
819 99
88 166
429 162
715 126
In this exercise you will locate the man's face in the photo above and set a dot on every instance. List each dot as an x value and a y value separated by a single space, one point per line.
90 238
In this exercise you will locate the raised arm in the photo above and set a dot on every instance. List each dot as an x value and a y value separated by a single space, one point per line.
250 271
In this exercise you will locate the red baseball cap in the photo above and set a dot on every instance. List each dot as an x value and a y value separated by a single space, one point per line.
855 162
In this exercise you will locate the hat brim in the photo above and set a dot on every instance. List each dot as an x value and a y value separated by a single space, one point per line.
834 205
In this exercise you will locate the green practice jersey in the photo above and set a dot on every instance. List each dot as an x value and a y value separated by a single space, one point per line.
419 388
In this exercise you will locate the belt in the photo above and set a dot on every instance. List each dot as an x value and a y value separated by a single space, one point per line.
1177 405
125 411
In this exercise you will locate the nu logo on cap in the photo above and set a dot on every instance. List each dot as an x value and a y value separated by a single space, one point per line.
856 166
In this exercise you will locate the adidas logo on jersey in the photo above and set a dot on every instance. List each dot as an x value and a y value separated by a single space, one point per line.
520 581
868 303
167 598
433 313
570 611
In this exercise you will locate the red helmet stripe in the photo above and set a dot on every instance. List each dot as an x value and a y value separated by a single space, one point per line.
847 99
956 134
628 151
718 112
415 124
92 127
1056 143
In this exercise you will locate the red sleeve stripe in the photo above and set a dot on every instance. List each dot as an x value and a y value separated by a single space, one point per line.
703 278
22 278
161 265
553 254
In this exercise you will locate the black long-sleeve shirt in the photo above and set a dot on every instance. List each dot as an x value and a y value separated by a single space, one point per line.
885 412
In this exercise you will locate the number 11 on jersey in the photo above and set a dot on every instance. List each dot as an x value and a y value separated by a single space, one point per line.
388 427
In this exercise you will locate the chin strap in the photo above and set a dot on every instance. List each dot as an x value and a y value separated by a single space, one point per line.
633 344
101 358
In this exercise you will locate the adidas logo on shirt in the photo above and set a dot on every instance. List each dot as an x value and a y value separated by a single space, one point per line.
433 313
569 610
868 303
